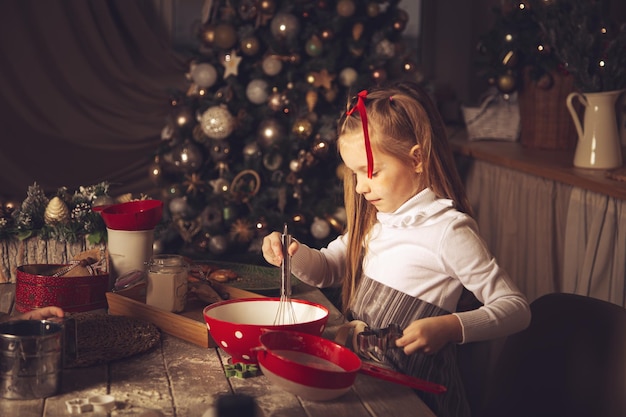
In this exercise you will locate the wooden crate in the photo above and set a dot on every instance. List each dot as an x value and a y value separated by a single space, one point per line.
15 252
188 325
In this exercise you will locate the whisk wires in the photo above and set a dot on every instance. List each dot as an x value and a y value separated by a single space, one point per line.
285 313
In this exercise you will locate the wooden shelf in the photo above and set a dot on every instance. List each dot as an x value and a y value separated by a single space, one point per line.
551 164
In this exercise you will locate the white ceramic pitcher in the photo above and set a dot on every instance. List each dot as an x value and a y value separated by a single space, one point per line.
599 143
129 250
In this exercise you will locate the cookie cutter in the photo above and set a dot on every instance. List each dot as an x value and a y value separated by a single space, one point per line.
97 403
374 343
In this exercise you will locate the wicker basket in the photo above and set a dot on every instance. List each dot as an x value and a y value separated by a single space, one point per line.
546 122
101 338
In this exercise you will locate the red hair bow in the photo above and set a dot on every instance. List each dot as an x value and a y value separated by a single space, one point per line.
360 107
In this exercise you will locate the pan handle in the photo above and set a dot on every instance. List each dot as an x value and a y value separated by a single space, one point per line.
398 378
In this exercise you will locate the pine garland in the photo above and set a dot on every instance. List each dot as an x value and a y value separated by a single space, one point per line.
28 220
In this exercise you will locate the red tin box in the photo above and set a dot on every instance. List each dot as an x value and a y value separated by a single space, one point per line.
36 287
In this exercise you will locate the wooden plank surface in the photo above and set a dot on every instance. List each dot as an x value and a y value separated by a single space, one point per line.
554 165
182 379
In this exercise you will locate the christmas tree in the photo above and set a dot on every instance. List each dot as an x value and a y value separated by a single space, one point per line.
580 37
251 144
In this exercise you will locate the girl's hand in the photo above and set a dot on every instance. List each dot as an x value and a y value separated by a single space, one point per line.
41 314
430 334
273 248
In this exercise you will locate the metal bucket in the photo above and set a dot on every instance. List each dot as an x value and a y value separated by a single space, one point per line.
31 354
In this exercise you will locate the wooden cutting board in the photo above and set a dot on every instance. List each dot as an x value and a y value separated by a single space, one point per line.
188 325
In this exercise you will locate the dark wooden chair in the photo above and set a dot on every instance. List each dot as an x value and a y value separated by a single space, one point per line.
570 361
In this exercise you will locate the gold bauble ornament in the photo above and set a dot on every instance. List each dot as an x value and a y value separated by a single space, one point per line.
506 83
379 75
302 128
320 148
373 9
56 212
327 34
275 101
250 45
335 224
400 20
207 35
269 133
155 173
267 6
225 36
346 8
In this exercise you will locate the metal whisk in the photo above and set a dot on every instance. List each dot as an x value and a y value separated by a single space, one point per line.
286 313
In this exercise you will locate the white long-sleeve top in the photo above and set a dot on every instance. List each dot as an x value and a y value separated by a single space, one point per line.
429 250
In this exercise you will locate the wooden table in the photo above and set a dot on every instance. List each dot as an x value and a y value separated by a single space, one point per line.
182 379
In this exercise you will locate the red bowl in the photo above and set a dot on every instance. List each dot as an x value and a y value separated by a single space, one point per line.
236 325
133 215
306 365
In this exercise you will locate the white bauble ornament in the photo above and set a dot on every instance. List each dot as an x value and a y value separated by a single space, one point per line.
340 214
320 228
204 75
218 244
217 122
271 65
179 208
257 91
385 49
348 76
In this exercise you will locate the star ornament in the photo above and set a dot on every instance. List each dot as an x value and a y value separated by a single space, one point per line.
194 183
323 79
231 63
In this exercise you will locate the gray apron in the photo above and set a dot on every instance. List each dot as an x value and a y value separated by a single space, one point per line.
378 306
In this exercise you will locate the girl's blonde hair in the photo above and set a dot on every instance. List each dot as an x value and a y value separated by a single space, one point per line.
399 117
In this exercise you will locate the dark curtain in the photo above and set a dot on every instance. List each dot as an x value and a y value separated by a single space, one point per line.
84 93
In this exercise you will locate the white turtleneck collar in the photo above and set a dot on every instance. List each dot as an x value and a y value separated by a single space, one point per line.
417 208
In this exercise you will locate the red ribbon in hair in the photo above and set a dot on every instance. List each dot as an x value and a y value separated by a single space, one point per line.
360 107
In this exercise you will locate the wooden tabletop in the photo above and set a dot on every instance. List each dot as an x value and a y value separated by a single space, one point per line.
179 378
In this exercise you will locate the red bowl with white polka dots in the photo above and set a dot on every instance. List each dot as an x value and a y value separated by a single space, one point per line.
236 325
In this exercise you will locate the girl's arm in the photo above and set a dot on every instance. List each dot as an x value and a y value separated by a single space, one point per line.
320 268
38 314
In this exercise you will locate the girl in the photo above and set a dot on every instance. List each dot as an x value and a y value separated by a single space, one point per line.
411 245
